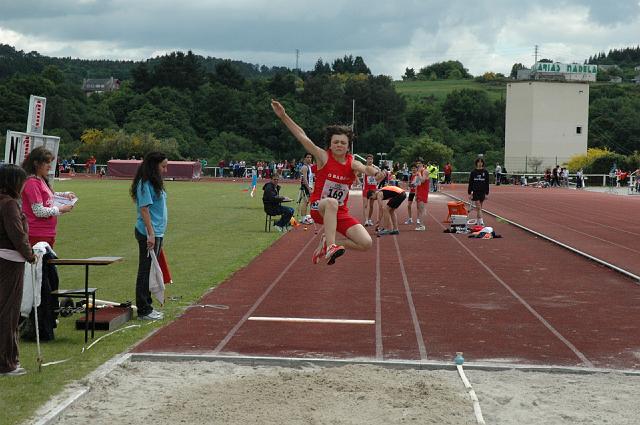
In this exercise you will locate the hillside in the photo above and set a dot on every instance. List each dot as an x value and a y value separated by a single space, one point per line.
439 89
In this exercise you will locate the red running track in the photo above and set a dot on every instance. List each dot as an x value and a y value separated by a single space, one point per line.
423 296
604 225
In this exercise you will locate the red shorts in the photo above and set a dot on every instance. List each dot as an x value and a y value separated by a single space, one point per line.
422 195
344 220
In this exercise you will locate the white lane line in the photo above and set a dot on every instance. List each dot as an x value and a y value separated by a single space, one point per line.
253 308
311 320
522 301
412 307
379 347
627 273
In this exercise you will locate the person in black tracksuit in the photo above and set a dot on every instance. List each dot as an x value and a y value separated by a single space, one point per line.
271 199
479 187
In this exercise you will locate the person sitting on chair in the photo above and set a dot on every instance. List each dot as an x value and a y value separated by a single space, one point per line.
271 199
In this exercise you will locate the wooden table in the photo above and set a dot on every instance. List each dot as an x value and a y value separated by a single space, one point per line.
71 293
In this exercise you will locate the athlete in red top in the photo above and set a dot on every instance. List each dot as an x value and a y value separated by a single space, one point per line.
412 194
369 187
336 171
422 194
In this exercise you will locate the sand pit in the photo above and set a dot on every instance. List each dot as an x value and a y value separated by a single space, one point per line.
224 393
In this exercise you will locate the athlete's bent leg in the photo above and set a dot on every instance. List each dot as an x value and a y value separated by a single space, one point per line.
328 209
358 238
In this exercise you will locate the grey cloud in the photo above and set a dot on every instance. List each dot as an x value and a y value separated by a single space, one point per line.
280 26
611 13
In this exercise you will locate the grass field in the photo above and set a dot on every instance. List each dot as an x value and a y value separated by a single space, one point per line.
214 229
415 90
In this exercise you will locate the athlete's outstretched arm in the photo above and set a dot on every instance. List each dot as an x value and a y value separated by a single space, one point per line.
319 154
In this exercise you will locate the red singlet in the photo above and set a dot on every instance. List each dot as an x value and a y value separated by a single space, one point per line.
422 191
333 181
370 183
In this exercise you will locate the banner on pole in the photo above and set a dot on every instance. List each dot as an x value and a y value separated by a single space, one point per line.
18 145
35 121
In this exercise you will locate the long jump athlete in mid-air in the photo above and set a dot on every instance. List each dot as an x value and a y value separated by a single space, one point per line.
335 173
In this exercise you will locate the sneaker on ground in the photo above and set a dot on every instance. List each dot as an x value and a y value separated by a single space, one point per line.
333 252
418 221
394 232
383 232
15 372
280 228
154 315
408 221
421 228
320 250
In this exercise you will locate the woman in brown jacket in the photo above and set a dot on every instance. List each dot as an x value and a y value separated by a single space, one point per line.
14 251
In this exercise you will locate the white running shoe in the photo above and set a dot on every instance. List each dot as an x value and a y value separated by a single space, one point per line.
408 221
418 221
18 371
154 315
421 228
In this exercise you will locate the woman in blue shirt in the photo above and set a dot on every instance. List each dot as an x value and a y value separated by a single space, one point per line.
147 191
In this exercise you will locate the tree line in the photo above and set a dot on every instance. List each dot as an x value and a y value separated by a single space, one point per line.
179 104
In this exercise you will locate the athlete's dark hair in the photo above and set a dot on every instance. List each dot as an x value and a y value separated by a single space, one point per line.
369 156
479 160
149 171
337 129
12 178
36 158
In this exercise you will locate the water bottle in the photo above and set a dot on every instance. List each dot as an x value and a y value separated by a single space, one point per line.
459 360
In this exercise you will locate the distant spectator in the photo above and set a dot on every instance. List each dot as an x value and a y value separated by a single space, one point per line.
498 174
580 179
478 187
555 178
447 173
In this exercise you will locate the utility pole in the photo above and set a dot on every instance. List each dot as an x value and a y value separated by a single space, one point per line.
297 60
353 121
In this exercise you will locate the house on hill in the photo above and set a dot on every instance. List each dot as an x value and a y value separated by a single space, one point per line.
99 85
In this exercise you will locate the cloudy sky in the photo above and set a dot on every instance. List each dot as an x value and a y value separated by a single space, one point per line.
485 35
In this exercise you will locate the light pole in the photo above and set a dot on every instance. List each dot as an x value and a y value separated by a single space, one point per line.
381 155
353 121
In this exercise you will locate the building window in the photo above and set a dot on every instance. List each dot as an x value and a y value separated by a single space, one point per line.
579 129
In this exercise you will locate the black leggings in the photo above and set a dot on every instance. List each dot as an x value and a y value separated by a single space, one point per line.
143 296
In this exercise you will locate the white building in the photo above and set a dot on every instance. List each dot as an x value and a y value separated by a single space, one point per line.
546 124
